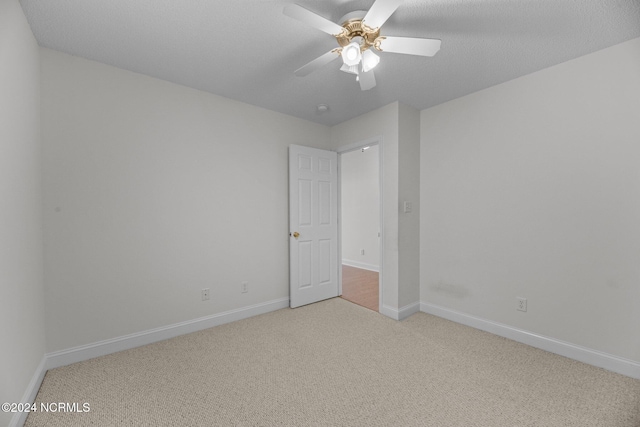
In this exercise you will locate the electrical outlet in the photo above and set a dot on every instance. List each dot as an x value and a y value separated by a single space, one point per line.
361 251
244 287
205 294
522 304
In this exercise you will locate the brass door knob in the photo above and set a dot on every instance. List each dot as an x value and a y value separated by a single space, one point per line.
296 234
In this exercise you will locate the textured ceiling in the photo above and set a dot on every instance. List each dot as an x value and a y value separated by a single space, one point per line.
248 50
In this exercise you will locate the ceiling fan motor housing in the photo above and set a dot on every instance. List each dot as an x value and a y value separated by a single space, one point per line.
356 28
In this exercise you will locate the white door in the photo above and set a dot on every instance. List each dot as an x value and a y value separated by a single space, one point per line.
313 225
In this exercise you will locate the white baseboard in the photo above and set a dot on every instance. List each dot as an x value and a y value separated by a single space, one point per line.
389 312
102 348
361 265
402 312
30 394
597 358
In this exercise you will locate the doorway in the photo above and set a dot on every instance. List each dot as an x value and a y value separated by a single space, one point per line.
360 228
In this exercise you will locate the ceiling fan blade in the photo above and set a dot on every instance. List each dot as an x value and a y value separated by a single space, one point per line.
411 46
316 21
380 12
367 80
317 63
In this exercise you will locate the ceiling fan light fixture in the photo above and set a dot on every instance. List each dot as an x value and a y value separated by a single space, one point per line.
369 60
351 54
351 69
358 35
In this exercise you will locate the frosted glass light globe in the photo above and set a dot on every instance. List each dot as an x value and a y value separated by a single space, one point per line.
351 54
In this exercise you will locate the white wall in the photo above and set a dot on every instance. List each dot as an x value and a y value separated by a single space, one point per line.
360 205
21 285
381 123
532 188
153 192
397 127
409 191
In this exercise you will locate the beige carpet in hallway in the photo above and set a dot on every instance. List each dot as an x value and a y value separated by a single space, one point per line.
337 364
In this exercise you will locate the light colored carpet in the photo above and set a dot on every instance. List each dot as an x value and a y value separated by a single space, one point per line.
337 364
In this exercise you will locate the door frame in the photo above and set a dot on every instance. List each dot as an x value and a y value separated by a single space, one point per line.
376 140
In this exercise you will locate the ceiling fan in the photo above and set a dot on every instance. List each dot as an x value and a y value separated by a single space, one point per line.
358 35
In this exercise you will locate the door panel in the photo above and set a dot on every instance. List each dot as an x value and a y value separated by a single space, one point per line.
304 202
324 267
313 214
304 264
324 189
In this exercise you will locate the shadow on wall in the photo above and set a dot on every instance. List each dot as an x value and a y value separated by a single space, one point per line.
450 289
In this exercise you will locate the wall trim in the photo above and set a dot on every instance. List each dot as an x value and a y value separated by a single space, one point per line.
113 345
30 393
389 311
597 358
402 312
362 265
359 144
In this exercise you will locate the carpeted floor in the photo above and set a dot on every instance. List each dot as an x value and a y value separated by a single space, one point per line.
338 364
